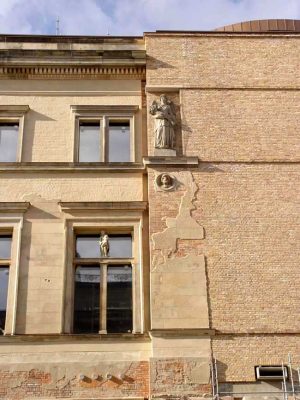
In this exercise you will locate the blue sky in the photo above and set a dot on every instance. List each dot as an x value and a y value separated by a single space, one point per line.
133 17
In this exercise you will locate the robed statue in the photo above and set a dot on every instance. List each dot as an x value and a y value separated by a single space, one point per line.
164 114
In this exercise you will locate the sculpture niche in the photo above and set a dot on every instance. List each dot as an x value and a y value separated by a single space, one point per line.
104 244
165 120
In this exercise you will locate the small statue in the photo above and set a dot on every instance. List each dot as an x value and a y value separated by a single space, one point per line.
165 121
104 244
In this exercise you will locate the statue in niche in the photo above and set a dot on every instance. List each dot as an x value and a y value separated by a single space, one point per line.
165 121
104 244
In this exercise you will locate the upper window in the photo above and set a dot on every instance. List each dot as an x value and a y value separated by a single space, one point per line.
5 255
104 134
11 132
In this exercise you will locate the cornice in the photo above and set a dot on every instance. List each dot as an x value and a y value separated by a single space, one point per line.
73 72
19 207
65 167
156 161
13 110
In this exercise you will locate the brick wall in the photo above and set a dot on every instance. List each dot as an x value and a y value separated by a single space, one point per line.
18 384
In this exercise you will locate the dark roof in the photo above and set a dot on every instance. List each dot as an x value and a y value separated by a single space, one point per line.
263 25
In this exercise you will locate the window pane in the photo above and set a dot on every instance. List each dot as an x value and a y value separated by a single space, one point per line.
89 142
120 246
119 299
86 299
5 247
119 142
4 274
8 142
87 246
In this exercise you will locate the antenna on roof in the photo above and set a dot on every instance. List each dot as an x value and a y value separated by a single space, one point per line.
57 26
108 34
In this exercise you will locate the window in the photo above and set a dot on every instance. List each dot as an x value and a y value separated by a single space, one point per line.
5 256
104 134
11 132
105 294
271 372
103 284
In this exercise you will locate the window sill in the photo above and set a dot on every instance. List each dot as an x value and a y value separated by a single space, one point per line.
66 337
70 167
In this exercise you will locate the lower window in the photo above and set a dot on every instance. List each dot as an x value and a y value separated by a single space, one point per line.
103 286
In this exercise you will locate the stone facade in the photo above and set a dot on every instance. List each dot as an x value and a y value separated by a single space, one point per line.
215 257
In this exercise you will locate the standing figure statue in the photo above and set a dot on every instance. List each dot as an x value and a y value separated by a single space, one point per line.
104 244
165 121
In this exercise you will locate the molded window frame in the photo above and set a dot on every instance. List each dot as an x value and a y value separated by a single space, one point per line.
114 221
11 223
104 114
15 114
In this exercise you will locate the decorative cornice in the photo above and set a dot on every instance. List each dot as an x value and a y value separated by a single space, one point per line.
73 72
13 110
19 207
103 205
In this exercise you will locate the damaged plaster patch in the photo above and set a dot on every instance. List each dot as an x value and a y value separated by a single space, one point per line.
179 290
183 226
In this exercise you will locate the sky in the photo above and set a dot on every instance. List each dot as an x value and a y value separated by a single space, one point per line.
133 17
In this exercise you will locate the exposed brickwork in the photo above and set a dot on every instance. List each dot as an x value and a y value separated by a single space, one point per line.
171 377
222 61
237 355
19 385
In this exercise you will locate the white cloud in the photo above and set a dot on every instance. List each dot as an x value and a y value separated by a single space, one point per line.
133 17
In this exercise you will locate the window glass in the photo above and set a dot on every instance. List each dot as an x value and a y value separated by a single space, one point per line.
4 274
89 142
87 246
119 141
119 299
8 142
120 246
87 299
5 247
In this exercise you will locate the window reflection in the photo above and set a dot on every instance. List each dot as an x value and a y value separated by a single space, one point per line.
89 142
120 246
8 142
87 299
5 247
119 141
119 299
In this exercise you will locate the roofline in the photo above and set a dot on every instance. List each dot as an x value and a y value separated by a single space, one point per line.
64 38
216 33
